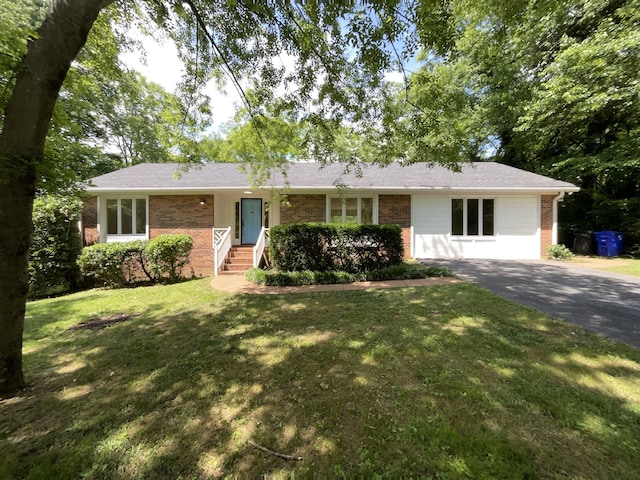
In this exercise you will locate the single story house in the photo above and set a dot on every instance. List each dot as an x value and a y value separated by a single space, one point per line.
487 210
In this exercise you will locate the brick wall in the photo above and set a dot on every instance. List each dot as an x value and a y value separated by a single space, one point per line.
171 214
396 209
89 221
304 208
546 223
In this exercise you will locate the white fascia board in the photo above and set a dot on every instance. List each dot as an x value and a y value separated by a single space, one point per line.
165 191
330 189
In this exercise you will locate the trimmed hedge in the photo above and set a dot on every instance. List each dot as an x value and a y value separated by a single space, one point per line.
168 254
395 272
124 263
323 247
114 264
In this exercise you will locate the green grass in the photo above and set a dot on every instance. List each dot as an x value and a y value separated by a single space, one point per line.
632 267
626 265
434 382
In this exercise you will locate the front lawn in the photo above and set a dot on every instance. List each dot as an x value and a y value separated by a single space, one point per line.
631 267
626 265
432 382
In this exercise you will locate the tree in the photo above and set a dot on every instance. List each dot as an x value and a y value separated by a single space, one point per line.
24 129
546 86
55 246
340 54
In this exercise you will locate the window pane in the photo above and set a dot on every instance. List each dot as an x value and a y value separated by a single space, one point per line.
237 221
141 216
112 217
351 210
472 216
366 210
126 216
487 217
457 205
336 210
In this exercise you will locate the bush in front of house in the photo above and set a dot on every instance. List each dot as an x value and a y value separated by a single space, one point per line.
559 252
403 271
168 254
114 264
321 247
55 245
124 263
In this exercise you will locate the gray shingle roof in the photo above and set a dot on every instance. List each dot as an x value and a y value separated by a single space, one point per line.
226 176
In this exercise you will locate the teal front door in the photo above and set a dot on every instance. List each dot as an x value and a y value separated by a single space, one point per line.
251 218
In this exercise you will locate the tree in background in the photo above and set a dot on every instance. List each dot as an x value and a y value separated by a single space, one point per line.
55 246
548 86
107 117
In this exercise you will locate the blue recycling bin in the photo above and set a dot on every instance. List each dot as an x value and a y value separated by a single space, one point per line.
609 243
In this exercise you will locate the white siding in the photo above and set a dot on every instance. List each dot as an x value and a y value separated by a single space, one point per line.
517 233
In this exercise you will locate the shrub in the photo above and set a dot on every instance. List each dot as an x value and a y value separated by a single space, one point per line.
55 245
407 272
323 247
168 254
559 252
115 264
396 272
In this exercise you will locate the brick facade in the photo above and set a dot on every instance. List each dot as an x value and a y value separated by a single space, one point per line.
546 223
172 214
396 210
304 208
89 221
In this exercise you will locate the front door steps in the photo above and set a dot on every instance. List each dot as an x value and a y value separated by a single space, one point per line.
239 260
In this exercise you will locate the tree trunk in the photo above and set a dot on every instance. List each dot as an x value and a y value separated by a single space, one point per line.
26 122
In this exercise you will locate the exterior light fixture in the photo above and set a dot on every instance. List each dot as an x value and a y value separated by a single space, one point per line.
202 201
248 192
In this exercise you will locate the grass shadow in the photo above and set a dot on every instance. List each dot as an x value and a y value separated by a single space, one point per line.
439 381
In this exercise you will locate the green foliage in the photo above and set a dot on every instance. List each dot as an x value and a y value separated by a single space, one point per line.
559 252
55 245
325 247
168 254
402 271
124 263
114 264
550 87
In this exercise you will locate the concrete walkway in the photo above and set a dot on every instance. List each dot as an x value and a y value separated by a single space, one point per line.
602 302
238 284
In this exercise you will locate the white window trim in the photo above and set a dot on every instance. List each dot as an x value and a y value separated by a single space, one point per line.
480 235
374 220
119 237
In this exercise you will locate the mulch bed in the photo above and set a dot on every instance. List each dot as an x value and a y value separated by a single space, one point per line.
103 322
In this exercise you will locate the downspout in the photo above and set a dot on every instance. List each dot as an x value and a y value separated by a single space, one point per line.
554 230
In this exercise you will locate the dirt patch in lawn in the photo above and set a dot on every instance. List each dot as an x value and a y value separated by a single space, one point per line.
103 322
601 262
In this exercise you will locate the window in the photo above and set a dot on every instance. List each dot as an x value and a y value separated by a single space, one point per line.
351 210
126 216
472 216
237 221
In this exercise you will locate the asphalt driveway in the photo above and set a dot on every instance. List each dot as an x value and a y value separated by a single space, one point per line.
602 302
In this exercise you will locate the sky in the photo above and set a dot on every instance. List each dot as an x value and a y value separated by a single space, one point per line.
163 67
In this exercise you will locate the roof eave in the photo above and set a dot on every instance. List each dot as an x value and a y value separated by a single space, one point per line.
542 189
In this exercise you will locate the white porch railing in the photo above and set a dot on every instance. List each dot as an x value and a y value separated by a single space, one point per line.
221 246
261 244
